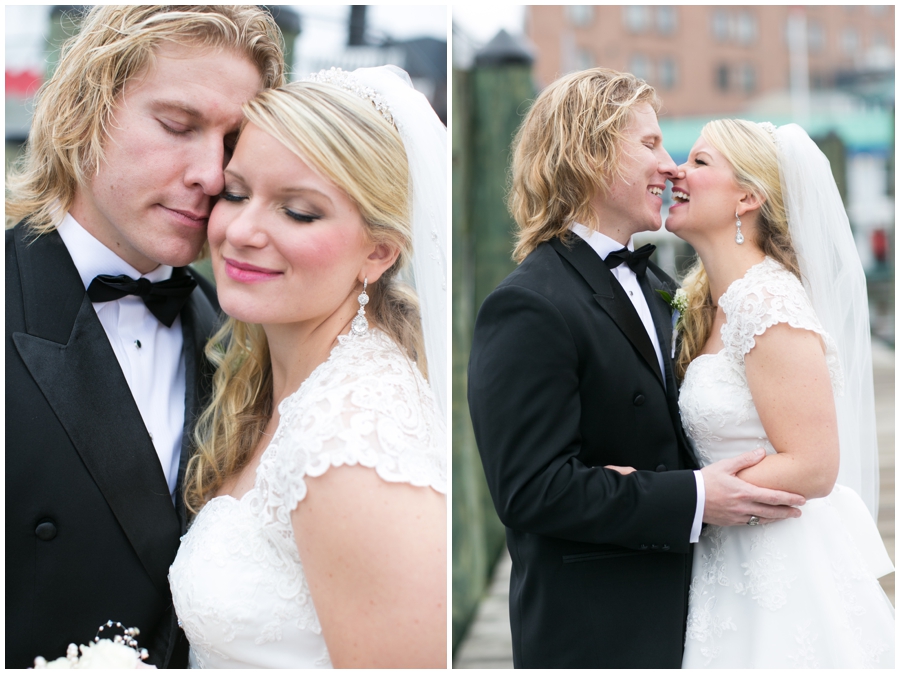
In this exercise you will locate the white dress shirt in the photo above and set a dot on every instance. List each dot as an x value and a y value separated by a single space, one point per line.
149 353
603 246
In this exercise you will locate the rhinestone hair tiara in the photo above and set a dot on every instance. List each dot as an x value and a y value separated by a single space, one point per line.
349 82
768 126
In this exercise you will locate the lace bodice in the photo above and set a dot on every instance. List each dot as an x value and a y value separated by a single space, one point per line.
716 406
796 593
237 583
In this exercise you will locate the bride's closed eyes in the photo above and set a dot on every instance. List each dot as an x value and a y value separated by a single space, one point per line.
234 196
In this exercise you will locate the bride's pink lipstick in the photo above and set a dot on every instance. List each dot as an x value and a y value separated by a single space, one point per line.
248 273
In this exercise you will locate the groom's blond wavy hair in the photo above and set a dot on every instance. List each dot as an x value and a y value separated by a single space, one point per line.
569 147
74 108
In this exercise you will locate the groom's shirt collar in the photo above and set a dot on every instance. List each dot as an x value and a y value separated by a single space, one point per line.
602 244
92 258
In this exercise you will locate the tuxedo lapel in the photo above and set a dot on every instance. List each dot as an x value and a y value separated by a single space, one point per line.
197 324
611 297
69 356
662 321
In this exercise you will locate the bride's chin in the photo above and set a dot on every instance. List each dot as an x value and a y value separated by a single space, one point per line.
239 311
678 229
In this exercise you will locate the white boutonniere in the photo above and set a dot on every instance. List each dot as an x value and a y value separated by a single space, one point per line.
679 304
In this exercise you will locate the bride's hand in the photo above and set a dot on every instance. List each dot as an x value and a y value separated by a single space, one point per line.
625 470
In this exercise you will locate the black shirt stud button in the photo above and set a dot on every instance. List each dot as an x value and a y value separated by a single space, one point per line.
46 531
639 399
661 468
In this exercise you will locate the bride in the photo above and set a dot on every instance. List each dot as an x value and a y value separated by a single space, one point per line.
320 477
775 353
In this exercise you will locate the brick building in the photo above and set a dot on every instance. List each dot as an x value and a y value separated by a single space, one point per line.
710 60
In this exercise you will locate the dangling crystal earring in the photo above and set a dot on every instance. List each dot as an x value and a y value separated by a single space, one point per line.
359 325
738 238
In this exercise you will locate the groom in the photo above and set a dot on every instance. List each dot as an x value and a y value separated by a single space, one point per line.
104 378
571 378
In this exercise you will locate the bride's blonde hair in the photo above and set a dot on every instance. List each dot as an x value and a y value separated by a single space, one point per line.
752 154
345 139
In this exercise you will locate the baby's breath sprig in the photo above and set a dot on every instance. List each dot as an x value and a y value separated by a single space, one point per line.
678 303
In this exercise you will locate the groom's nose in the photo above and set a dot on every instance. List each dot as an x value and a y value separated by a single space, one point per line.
667 166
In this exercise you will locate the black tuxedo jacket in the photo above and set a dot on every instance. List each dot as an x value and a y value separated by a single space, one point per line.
563 380
90 526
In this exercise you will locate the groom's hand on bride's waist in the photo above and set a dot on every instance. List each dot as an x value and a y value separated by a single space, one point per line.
731 501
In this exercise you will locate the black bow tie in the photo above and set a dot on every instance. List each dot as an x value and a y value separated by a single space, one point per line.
636 260
164 299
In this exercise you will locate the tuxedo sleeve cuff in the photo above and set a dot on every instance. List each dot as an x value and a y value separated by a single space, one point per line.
698 513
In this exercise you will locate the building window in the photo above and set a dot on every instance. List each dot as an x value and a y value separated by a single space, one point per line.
722 77
878 10
637 18
639 66
720 25
850 41
668 73
580 15
666 20
879 40
746 28
748 78
815 36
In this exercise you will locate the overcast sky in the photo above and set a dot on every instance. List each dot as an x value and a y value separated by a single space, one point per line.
482 21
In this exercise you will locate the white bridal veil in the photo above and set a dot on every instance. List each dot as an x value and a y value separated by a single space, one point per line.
833 277
425 140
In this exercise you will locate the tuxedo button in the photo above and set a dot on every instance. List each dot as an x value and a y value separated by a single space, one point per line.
664 547
661 468
639 399
46 531
644 547
654 547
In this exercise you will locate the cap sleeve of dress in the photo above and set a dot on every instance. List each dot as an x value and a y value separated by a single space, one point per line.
367 405
767 295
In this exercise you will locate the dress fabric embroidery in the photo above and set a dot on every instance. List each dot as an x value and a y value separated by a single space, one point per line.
795 593
237 582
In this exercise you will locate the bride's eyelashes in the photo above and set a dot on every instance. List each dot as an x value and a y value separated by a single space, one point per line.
302 217
293 215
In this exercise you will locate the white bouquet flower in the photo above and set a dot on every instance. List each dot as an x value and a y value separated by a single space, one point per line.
121 652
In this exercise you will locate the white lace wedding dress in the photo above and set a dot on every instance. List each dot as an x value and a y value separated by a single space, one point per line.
796 593
237 582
